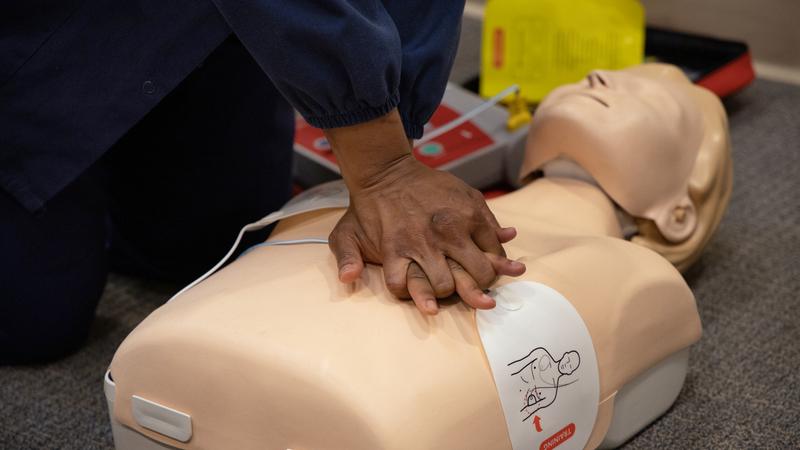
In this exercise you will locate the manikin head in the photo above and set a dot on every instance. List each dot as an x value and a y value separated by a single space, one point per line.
652 140
569 363
636 135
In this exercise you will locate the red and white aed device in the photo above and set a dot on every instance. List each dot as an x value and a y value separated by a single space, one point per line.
481 151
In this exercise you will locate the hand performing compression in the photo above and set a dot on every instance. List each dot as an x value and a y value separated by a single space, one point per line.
433 234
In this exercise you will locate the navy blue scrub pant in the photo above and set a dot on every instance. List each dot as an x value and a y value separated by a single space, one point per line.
165 202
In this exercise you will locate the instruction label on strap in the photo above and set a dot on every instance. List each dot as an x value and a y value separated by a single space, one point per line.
544 366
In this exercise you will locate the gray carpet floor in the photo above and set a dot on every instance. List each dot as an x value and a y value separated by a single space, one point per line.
743 387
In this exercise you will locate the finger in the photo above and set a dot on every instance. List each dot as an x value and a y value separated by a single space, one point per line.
348 255
468 289
506 234
475 262
438 274
395 273
486 236
489 216
420 289
505 266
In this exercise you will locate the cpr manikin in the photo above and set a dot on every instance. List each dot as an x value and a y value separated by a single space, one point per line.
274 352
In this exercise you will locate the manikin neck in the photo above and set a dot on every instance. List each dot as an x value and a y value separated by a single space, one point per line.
604 209
565 168
561 203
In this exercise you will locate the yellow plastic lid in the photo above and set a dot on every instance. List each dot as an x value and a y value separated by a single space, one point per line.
541 44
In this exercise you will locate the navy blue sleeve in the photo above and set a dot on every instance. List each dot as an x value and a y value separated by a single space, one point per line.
343 62
429 32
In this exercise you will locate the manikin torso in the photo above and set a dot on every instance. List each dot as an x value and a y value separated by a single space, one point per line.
354 362
298 360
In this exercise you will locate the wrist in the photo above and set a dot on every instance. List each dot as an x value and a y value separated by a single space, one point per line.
366 152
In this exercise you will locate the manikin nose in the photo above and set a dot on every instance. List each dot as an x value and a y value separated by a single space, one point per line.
597 79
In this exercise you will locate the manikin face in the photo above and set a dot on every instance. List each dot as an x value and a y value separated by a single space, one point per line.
636 134
569 363
608 108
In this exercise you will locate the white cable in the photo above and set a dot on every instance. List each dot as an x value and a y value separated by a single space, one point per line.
286 242
469 115
245 229
293 242
324 196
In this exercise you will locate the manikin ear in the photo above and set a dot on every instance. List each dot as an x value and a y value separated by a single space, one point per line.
676 224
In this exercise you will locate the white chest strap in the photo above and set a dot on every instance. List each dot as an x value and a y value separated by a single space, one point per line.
544 366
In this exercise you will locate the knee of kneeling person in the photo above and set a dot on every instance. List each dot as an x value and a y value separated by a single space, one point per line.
35 331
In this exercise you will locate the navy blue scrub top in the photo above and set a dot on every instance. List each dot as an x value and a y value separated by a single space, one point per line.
75 75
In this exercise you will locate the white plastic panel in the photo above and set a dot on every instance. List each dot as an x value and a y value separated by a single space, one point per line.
645 398
162 419
126 438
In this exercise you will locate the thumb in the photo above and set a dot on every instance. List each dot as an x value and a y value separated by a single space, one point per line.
348 255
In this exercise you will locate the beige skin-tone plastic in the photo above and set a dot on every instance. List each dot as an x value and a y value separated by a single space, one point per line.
274 352
655 143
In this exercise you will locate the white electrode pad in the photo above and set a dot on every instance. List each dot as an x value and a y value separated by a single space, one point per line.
544 366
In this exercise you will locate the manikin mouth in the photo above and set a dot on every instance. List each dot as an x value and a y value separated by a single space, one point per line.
595 98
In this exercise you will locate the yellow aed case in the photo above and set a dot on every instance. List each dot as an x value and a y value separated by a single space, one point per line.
541 44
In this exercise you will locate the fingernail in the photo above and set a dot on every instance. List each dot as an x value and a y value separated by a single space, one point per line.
516 265
347 268
431 305
345 274
486 298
